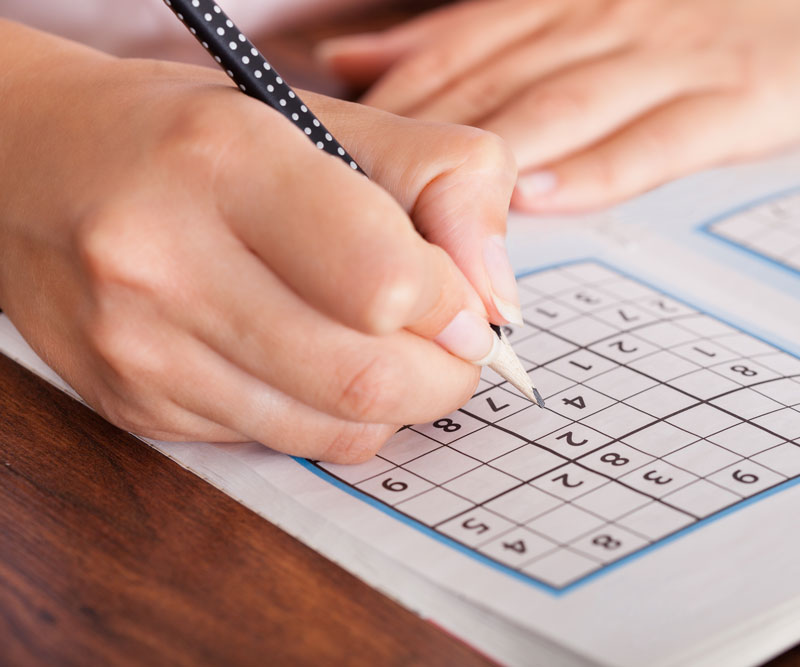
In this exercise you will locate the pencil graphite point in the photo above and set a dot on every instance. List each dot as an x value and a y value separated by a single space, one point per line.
506 364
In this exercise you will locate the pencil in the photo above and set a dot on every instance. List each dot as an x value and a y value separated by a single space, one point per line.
255 77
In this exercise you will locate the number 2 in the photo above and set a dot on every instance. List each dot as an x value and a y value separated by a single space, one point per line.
568 437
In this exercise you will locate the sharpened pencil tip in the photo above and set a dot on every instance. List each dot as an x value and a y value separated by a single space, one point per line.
539 399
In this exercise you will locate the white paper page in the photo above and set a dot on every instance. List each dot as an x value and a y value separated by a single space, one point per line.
647 515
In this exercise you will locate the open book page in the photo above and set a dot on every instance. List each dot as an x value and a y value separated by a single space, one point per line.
649 513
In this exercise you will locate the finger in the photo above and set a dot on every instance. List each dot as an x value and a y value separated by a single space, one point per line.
337 239
457 196
219 391
493 84
150 415
483 29
674 140
158 382
361 59
249 317
576 108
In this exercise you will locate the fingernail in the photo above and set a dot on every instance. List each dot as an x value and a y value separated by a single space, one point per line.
468 336
502 280
536 184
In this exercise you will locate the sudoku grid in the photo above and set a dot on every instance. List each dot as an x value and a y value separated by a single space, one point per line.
770 229
658 416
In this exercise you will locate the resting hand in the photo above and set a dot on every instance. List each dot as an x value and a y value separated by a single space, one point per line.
599 99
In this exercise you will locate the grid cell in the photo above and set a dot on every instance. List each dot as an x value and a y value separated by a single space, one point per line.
655 521
658 478
661 401
517 546
609 543
784 458
475 526
565 523
569 481
701 498
581 365
574 440
746 478
495 404
746 403
561 568
663 366
527 462
611 500
523 503
702 458
621 383
450 427
745 439
784 423
481 484
434 506
703 420
659 439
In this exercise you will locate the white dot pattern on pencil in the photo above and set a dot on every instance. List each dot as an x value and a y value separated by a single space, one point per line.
252 73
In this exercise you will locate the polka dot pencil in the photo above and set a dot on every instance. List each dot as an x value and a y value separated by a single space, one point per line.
249 70
257 78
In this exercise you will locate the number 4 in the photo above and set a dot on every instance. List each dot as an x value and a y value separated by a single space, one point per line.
576 402
518 546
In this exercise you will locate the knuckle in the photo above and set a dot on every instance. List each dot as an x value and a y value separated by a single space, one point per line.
136 420
388 297
490 152
132 359
356 443
99 248
194 138
121 248
121 413
368 392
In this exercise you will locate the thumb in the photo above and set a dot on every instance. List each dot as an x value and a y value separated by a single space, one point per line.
463 210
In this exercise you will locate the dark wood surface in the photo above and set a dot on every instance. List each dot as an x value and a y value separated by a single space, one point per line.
112 554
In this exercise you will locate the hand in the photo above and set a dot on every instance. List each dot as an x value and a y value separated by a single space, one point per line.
198 270
599 99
